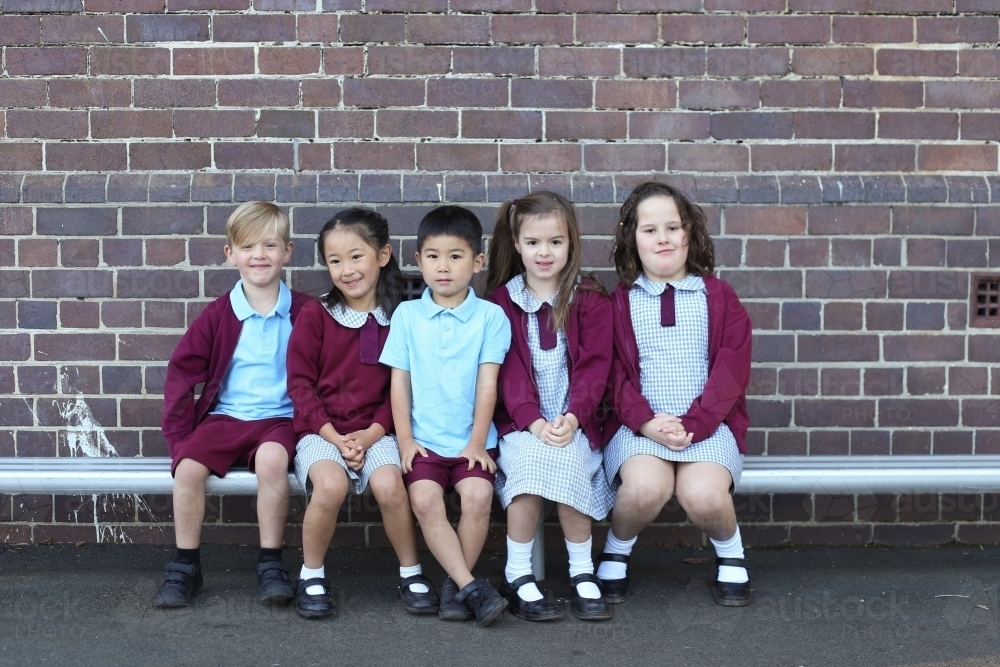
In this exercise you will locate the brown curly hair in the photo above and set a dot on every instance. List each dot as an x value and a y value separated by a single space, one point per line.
625 254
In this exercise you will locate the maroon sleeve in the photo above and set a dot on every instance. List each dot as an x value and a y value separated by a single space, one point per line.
516 386
188 367
626 398
305 348
593 365
730 373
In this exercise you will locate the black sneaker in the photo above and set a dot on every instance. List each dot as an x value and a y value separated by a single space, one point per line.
273 583
181 582
314 606
418 603
483 600
450 609
536 610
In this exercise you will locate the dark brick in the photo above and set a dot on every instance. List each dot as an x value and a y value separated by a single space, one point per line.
838 347
157 284
77 221
86 188
33 61
85 157
167 28
254 155
883 381
213 61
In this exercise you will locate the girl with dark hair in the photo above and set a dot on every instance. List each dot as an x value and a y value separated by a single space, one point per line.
343 417
678 387
551 384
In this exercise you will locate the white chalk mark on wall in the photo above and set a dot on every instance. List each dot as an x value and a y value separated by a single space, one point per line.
84 435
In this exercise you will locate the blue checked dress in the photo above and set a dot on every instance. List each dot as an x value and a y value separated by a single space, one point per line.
673 367
313 447
571 475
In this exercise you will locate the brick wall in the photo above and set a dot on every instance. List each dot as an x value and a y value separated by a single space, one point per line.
846 151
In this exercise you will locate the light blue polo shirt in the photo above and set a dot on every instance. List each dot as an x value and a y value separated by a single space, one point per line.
442 349
255 384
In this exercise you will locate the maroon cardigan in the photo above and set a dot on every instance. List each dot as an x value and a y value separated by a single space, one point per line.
588 339
724 397
327 382
202 356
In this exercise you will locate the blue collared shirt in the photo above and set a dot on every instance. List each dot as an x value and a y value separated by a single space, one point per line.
255 384
442 349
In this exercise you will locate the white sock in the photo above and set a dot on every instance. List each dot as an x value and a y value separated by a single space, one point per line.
581 562
731 548
413 571
310 573
518 565
611 569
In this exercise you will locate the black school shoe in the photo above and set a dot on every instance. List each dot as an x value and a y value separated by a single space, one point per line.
418 603
483 600
730 594
314 606
273 583
181 582
614 589
589 609
536 610
451 609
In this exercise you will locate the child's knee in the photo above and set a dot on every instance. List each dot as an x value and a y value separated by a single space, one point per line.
189 474
270 460
477 499
426 503
389 490
707 503
329 489
647 491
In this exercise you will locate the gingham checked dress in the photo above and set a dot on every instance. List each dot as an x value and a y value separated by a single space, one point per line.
571 475
313 447
673 367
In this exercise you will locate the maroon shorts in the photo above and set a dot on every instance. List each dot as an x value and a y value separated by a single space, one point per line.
220 442
447 471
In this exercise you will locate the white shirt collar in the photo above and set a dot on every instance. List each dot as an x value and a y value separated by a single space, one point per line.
354 319
692 283
522 296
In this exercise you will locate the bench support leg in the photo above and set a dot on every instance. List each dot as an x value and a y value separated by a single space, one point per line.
538 548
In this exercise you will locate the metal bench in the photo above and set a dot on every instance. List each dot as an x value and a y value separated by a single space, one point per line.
837 475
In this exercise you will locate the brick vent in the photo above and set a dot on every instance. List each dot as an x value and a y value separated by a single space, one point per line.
985 306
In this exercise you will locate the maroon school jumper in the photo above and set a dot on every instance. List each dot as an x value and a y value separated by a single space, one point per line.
724 398
202 356
327 382
588 332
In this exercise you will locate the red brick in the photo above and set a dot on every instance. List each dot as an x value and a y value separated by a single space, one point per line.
37 252
399 123
706 157
872 29
872 94
46 60
201 5
82 29
909 412
791 157
832 220
577 5
318 27
635 94
833 61
173 93
157 283
347 123
704 29
910 125
20 30
547 93
253 28
378 93
502 124
90 93
911 6
450 93
833 125
828 412
661 62
47 124
253 155
845 284
752 61
914 62
23 92
586 125
79 315
85 157
373 155
788 29
167 28
874 157
212 123
129 60
808 252
286 123
719 94
321 93
979 63
372 28
258 93
536 29
124 124
745 5
751 125
539 157
962 94
567 61
493 60
766 220
290 60
624 157
408 59
933 284
946 157
449 29
164 252
314 157
60 347
800 94
456 157
174 155
980 412
26 157
951 29
213 61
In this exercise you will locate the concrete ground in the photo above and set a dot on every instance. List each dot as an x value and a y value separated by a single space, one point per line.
62 605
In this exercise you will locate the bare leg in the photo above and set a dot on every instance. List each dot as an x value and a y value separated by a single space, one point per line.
387 486
329 488
647 485
522 517
477 501
427 499
703 492
271 467
189 502
575 524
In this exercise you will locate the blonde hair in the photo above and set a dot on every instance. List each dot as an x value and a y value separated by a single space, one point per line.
255 220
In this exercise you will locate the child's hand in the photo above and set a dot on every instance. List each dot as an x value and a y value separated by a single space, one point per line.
408 450
667 431
354 456
477 454
678 440
560 430
365 438
537 428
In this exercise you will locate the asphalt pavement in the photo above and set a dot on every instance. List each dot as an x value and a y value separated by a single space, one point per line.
64 605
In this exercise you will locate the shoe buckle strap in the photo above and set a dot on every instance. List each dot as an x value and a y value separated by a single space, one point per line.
731 562
522 581
585 577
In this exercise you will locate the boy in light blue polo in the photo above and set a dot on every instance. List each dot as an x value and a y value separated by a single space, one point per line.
445 351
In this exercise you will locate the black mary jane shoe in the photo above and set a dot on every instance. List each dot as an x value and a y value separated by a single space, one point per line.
418 603
314 606
614 589
273 582
450 609
729 594
589 609
536 610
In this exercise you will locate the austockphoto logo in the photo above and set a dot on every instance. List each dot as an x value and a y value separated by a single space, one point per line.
43 616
